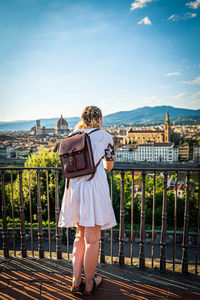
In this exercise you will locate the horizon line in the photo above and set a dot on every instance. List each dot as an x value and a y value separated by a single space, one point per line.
42 118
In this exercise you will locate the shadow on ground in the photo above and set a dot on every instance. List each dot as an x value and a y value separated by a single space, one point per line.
34 278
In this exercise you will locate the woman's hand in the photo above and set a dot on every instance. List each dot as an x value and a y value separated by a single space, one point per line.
108 164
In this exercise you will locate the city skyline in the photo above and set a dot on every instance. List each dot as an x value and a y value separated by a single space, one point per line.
59 56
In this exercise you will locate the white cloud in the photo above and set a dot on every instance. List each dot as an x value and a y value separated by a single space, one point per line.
172 17
184 17
193 4
178 96
151 101
196 102
145 21
189 15
196 95
140 4
196 81
173 74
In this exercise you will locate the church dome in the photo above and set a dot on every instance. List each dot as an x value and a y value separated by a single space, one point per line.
130 130
61 124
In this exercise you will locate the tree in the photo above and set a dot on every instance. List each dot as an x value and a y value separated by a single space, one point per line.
44 158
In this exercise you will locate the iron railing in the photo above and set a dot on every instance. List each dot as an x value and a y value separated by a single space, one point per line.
122 170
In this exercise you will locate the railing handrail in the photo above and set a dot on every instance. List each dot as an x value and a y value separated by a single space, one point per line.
31 168
136 166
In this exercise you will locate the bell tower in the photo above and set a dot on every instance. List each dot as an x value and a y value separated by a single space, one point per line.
167 134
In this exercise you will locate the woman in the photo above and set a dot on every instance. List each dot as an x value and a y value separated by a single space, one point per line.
86 204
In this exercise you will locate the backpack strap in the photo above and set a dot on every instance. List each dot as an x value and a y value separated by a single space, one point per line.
98 161
67 183
92 131
95 169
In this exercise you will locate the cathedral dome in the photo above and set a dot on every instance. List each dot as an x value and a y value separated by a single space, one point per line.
130 130
61 124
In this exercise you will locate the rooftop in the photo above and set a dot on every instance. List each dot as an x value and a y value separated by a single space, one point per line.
145 131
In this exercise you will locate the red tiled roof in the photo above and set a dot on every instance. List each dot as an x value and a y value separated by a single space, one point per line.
145 131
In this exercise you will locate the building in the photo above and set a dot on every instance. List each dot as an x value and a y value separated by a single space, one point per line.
22 153
196 153
181 189
62 126
11 152
146 136
3 152
184 152
125 155
37 130
154 152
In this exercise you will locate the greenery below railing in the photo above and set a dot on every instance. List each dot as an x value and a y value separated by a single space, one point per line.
136 227
51 159
17 223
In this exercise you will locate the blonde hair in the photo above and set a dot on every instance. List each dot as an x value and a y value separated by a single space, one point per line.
89 118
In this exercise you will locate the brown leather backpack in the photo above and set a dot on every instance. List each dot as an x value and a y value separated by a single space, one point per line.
76 156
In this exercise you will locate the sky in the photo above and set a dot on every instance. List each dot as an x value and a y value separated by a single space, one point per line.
58 56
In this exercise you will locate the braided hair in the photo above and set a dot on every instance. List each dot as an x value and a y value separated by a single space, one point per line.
89 117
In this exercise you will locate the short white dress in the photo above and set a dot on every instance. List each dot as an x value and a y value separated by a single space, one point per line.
88 202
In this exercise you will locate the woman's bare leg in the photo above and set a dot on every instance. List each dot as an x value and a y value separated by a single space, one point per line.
78 255
92 237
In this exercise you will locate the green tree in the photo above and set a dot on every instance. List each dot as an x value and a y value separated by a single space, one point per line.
44 158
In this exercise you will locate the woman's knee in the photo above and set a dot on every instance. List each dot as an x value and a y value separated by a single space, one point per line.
80 232
92 234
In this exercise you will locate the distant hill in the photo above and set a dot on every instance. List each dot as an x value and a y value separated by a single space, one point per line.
149 115
27 125
146 114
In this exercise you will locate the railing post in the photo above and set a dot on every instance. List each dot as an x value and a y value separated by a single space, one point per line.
132 210
13 216
142 225
67 242
39 214
175 223
57 210
4 215
153 220
186 228
22 217
198 224
48 210
121 228
102 251
164 226
111 230
30 210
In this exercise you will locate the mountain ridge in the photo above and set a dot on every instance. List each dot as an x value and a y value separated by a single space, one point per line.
146 114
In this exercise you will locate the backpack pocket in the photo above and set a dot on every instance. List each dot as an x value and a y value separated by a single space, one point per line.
74 161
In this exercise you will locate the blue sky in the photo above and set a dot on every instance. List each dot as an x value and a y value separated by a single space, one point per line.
57 56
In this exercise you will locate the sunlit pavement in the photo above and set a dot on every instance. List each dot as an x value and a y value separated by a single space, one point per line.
33 278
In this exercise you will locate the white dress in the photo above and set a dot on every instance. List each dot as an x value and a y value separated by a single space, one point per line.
88 202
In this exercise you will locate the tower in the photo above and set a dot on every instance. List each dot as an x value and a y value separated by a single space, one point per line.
38 124
167 135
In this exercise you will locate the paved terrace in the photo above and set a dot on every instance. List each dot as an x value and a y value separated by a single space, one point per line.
34 278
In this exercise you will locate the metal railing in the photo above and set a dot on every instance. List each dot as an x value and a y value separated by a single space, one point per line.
122 170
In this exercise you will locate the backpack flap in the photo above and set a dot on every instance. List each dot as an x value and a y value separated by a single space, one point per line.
71 151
